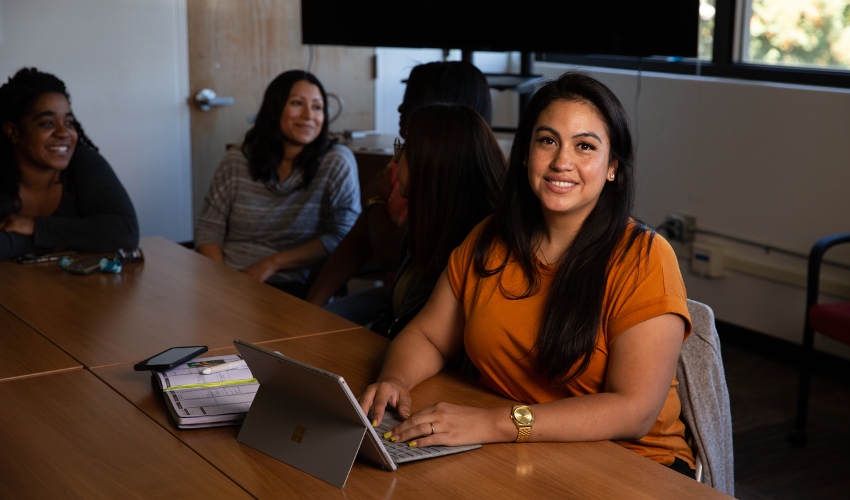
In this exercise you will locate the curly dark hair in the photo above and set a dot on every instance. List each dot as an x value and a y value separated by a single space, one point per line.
263 145
17 97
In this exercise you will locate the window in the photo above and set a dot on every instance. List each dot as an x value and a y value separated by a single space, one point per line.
706 28
804 33
790 41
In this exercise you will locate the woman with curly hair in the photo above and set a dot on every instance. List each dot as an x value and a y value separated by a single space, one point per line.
56 191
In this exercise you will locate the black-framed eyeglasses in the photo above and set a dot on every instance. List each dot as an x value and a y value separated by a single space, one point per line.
398 147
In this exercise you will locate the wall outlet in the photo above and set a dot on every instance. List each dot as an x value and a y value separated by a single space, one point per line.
708 260
680 227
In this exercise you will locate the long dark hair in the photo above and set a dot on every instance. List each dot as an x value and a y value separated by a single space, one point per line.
455 170
573 311
17 97
264 143
449 82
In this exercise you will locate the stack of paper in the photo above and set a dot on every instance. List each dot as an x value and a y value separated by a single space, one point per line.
196 400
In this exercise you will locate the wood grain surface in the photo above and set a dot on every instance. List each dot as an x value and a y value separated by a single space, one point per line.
175 298
27 353
535 470
68 435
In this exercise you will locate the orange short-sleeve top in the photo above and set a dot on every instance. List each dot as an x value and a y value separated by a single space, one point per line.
500 333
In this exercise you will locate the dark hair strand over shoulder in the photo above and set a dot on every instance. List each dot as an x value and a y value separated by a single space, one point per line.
455 173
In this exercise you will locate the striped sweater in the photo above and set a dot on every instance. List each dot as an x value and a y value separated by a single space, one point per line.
252 220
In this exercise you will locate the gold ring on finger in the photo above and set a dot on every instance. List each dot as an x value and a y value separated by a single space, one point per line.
432 429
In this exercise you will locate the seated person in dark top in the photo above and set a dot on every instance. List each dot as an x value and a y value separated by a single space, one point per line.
380 229
450 172
56 191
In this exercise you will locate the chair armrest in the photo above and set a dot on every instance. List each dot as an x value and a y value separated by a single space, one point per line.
815 261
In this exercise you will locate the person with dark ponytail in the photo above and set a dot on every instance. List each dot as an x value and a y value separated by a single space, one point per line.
56 191
281 202
559 294
379 231
450 173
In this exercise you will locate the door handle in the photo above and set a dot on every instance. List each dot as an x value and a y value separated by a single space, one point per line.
205 99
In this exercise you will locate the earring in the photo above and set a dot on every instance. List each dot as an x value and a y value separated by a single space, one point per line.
612 177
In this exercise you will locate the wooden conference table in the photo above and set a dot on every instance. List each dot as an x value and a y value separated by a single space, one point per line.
175 298
77 421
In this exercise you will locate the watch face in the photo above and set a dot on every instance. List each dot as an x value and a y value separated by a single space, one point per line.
523 416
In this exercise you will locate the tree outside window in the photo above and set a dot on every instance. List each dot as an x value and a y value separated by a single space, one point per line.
706 28
799 33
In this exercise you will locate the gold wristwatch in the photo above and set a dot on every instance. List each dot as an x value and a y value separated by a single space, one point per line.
523 419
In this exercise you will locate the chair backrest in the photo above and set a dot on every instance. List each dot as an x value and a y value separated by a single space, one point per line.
705 400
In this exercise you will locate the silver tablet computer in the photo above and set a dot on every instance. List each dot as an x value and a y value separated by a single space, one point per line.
309 419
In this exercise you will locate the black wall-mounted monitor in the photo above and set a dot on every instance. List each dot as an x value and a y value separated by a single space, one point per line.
618 27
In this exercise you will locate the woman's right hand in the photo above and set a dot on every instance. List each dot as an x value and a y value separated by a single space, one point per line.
377 396
21 224
416 355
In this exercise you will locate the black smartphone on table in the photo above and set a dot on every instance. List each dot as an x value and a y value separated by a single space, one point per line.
84 266
32 258
170 358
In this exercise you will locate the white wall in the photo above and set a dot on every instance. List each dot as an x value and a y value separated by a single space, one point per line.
125 65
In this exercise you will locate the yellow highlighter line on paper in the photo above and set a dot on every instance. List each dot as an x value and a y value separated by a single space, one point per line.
214 384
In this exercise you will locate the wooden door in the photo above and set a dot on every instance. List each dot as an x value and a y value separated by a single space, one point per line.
236 48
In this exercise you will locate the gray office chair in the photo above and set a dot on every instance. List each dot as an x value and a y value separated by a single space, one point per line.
705 401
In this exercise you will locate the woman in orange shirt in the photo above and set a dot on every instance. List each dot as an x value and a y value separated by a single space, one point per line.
559 294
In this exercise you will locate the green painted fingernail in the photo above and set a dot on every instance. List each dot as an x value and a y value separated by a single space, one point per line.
412 444
388 434
374 423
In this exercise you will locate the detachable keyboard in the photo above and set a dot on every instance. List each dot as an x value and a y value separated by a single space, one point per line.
401 451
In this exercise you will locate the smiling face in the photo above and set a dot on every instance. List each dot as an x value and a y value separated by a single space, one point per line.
568 159
303 115
46 136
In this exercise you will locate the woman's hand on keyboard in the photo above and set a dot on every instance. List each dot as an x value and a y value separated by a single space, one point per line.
455 425
385 392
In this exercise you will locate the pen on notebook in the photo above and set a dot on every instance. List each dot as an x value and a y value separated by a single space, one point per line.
224 367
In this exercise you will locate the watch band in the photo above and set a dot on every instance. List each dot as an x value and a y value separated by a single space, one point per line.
523 419
522 435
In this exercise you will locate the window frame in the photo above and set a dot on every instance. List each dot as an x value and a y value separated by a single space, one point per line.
722 63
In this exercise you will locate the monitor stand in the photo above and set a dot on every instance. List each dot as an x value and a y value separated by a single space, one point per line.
524 83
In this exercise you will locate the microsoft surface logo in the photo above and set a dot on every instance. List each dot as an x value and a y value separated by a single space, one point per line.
298 435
